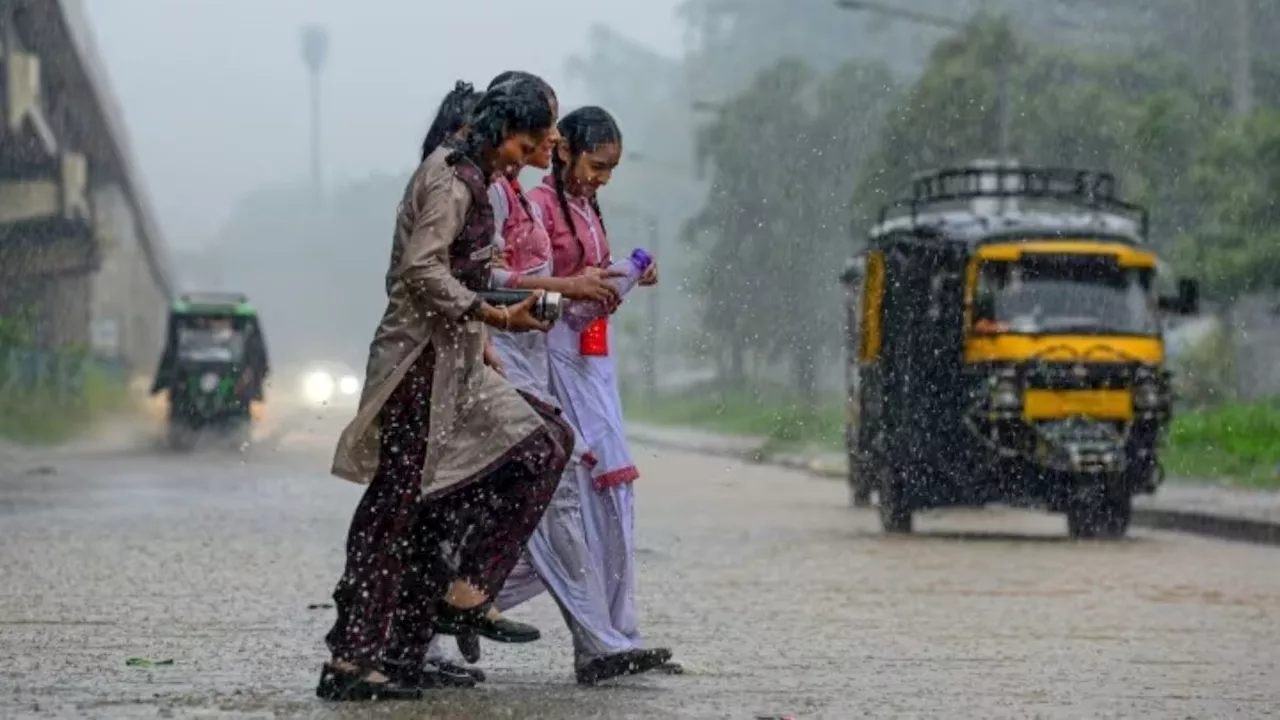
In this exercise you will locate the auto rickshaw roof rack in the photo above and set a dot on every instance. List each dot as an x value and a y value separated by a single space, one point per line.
1089 190
213 302
214 298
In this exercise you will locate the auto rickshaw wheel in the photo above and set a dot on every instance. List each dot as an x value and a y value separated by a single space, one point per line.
1103 517
895 514
859 483
182 437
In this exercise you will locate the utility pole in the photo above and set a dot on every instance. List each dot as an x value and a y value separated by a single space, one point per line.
1242 72
315 51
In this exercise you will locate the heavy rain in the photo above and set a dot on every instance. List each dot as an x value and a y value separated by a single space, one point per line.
686 358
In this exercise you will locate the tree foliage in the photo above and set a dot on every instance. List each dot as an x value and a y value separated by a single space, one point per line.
782 156
798 152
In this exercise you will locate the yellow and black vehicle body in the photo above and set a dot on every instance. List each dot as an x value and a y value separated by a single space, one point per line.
1005 346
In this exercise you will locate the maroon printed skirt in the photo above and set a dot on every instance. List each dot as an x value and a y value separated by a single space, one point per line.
404 552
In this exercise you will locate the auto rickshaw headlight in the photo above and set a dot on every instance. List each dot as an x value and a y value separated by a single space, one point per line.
1005 395
1146 396
208 382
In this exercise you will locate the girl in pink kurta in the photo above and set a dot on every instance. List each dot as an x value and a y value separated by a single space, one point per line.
583 373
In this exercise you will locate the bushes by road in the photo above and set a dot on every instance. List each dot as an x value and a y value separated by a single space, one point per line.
1236 442
50 398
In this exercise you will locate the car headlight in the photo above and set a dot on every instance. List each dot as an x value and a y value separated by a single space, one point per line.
318 387
349 385
208 382
1005 395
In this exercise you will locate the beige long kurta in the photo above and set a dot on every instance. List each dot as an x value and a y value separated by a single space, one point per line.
476 416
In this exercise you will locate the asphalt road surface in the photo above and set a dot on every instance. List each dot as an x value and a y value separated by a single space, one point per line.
780 600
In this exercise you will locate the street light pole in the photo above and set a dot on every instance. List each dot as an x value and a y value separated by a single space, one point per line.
315 51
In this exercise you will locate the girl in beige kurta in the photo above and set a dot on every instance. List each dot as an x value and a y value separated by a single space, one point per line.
460 465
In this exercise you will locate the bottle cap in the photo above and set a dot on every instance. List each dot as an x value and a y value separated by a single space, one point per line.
642 259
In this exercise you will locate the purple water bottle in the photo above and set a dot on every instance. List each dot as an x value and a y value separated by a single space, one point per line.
581 312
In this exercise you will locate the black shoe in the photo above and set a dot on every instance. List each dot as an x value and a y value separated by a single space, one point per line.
671 667
469 646
452 668
346 686
631 662
474 621
429 678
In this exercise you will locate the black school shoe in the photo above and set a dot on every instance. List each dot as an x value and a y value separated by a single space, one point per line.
630 662
475 621
337 685
434 677
455 669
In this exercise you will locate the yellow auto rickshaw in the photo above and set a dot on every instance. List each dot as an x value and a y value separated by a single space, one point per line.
1005 346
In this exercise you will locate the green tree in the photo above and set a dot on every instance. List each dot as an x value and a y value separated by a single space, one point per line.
782 156
1236 246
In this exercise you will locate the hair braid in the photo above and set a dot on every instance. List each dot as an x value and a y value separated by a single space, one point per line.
595 205
558 170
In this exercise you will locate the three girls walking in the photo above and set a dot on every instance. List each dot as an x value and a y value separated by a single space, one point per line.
462 463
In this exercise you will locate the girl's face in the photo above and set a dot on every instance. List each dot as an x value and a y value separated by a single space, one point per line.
591 170
516 151
541 158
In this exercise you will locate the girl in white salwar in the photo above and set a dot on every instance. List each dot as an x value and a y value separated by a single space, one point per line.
583 373
559 556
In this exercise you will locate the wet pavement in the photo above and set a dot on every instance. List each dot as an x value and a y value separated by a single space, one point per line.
778 598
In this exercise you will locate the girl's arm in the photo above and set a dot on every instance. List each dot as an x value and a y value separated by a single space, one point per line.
592 284
438 203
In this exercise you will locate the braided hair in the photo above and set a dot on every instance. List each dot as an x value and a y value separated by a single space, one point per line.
451 116
582 131
506 109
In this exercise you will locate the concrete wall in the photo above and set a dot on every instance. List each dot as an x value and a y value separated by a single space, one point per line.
128 308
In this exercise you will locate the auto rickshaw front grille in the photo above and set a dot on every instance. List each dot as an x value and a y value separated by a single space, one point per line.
1079 376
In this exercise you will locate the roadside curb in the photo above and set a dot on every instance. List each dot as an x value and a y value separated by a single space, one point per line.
1222 527
1218 526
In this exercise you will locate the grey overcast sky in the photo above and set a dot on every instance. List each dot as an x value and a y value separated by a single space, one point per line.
215 96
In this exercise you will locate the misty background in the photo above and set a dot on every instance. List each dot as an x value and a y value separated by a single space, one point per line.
760 136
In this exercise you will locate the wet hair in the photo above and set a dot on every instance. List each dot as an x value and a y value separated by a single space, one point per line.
582 131
506 109
522 76
452 115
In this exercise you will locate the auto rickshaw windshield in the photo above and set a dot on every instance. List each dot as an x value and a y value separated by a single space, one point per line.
1037 298
210 340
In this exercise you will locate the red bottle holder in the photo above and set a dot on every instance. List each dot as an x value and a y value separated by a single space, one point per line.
594 341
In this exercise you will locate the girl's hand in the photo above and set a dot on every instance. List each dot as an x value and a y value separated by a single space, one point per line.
593 284
491 357
650 276
518 317
499 261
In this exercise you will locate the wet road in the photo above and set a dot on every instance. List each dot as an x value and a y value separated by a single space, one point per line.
780 600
